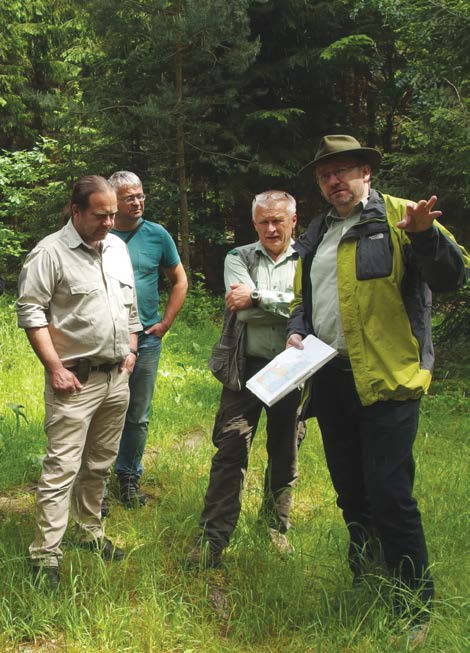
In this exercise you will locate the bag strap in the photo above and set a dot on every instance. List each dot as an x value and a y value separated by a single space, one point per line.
248 255
133 233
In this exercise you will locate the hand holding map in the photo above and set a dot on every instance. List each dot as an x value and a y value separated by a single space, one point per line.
289 369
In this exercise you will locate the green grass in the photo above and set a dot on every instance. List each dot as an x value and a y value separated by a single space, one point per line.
150 603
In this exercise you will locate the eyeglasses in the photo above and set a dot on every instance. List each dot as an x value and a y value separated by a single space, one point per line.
339 173
130 199
103 216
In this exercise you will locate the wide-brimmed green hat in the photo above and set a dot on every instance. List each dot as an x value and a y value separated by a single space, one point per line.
341 144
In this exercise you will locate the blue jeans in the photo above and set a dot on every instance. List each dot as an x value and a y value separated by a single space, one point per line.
141 384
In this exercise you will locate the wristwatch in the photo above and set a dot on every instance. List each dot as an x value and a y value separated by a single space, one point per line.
135 352
255 297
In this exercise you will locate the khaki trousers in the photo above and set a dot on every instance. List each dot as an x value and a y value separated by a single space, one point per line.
83 431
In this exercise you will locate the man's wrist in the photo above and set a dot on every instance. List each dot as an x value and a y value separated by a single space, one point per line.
54 367
255 297
135 352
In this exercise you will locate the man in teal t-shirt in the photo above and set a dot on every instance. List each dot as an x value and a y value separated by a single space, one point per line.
152 250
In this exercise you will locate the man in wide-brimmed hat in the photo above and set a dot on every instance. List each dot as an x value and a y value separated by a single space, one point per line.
363 285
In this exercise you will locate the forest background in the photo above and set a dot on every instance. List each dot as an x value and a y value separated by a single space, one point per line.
210 102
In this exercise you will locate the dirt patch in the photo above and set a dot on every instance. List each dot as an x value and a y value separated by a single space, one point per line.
50 646
193 440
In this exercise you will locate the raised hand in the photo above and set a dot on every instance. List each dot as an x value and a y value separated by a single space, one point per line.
419 216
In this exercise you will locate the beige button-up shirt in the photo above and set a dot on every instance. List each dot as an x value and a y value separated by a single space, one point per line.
85 297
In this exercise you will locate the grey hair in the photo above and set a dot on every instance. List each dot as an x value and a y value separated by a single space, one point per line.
124 178
269 197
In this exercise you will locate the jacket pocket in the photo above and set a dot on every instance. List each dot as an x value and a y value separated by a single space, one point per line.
221 362
225 365
374 256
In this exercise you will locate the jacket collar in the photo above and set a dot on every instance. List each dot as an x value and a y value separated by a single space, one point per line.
375 207
374 210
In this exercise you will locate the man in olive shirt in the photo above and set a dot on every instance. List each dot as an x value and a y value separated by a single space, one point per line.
259 285
77 304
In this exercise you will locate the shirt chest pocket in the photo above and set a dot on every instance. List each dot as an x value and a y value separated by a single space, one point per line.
83 288
86 298
374 256
147 262
121 289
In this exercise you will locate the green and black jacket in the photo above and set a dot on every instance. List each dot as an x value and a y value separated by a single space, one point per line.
385 282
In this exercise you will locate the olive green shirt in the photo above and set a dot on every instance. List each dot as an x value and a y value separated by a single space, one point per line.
267 323
86 298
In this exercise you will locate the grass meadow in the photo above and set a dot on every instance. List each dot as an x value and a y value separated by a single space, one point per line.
258 602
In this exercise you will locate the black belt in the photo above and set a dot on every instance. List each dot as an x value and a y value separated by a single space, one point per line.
104 367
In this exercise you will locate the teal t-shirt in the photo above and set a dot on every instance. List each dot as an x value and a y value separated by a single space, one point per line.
150 249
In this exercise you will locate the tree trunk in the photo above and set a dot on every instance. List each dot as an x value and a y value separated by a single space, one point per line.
180 157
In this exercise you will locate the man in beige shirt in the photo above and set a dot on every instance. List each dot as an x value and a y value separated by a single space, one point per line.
77 304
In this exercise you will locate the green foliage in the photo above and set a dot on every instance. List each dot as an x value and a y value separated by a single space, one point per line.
11 251
36 83
431 128
32 197
281 115
200 305
454 323
90 88
356 49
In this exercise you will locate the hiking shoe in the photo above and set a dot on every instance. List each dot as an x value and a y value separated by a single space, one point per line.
129 493
417 635
280 542
46 575
202 556
106 549
414 638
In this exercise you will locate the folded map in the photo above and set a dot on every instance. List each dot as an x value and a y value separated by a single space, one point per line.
290 369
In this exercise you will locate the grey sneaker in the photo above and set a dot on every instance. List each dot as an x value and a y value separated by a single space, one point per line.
280 542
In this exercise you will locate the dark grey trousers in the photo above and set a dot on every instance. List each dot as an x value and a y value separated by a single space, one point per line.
234 430
369 452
